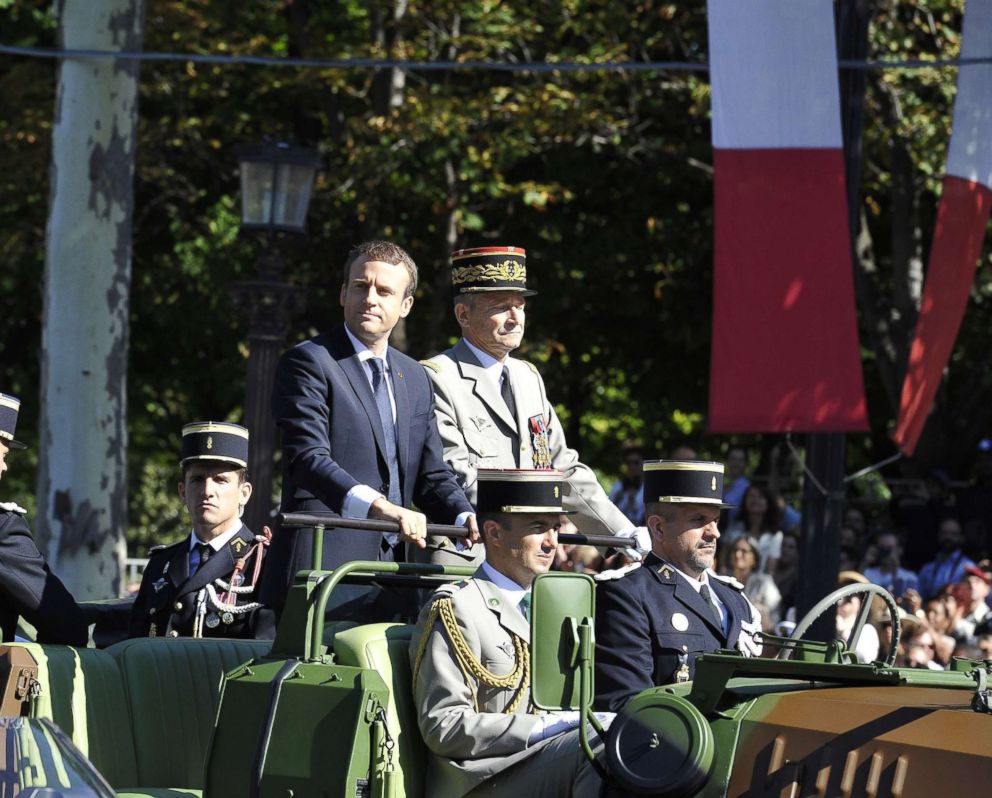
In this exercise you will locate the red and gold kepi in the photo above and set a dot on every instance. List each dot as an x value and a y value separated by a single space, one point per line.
684 482
489 269
509 490
215 440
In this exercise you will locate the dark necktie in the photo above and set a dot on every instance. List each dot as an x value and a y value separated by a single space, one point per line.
198 557
506 391
381 392
704 591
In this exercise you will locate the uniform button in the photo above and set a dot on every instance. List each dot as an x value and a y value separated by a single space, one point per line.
685 648
173 633
523 447
178 605
482 452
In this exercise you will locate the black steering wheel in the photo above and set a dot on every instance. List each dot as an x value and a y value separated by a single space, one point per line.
830 601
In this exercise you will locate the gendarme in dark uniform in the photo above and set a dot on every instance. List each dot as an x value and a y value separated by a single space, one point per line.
27 587
654 619
206 588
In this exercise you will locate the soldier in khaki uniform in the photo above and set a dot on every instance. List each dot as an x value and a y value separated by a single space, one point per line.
471 662
493 410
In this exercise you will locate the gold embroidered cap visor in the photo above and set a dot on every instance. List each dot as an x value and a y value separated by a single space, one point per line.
215 440
684 482
489 269
9 407
520 491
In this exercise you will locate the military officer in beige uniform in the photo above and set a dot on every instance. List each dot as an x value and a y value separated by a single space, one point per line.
471 663
493 410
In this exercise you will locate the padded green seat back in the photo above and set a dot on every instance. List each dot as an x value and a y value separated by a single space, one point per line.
173 690
384 647
82 692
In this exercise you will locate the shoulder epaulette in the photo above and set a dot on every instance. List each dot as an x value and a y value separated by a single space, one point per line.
13 507
432 365
616 573
448 589
729 581
162 547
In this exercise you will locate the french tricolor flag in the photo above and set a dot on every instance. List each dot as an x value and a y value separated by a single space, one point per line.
957 239
785 351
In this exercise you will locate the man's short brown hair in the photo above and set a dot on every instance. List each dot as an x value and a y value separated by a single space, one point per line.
387 252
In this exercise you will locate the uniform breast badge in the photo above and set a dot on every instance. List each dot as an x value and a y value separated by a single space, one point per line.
153 630
158 584
539 442
212 620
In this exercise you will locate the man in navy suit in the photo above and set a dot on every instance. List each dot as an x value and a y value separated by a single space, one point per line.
359 433
655 618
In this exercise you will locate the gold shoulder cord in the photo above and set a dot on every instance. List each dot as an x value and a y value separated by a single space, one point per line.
471 668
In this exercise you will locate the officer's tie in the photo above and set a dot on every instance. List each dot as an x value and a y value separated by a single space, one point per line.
506 391
381 392
524 606
704 591
198 556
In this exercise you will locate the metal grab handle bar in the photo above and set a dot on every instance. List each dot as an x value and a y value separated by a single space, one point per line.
332 521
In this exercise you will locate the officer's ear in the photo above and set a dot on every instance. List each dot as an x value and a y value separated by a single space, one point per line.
491 532
656 526
245 489
461 314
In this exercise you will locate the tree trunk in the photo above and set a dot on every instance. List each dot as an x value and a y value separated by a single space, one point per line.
82 494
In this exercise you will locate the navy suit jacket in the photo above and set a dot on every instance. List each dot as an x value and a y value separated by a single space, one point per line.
639 642
332 440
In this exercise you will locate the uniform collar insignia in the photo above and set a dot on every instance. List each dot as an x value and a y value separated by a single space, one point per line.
13 507
238 544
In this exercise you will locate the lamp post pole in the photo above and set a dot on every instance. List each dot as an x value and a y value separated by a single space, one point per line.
270 305
276 182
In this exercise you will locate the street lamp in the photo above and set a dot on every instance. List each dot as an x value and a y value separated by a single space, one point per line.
276 184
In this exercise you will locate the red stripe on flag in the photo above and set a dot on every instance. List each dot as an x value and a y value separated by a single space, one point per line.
785 345
957 243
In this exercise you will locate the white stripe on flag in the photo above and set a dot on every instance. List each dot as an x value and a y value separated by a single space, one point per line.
773 68
970 155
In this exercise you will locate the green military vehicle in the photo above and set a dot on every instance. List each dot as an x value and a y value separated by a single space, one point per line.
327 710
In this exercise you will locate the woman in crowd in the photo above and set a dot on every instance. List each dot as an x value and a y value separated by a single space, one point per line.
741 562
759 518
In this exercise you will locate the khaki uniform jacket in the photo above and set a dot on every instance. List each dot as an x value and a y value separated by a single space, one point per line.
478 431
468 746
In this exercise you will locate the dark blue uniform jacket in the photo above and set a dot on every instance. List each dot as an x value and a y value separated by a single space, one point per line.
29 589
649 623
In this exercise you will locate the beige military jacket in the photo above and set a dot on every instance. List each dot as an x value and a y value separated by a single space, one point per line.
468 745
478 432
